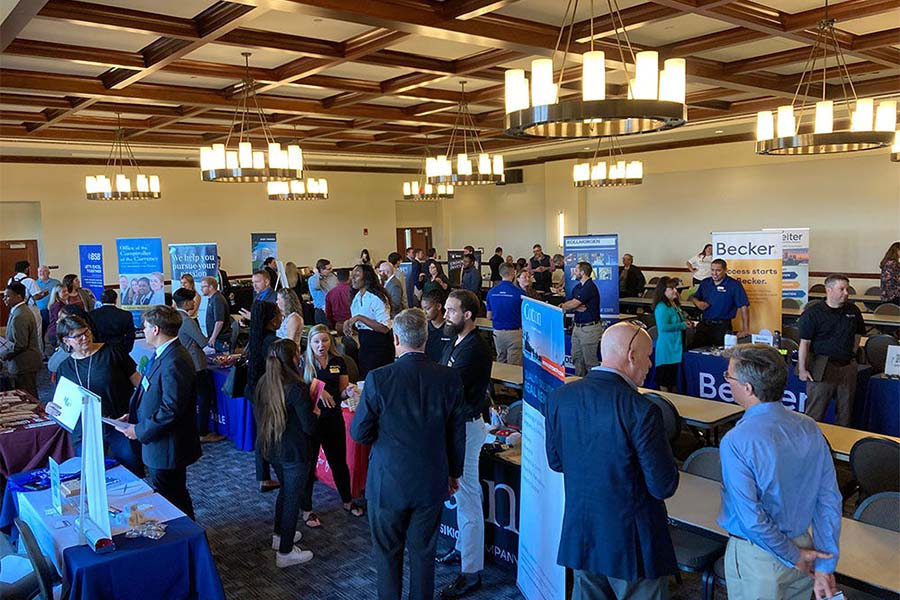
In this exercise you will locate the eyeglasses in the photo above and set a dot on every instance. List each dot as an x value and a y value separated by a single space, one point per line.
638 327
77 337
728 377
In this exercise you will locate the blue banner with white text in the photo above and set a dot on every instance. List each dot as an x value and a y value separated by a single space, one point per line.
141 278
602 252
262 246
196 260
91 260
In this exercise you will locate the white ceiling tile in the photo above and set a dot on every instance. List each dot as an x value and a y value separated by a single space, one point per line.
302 91
361 71
307 26
176 8
76 34
551 12
49 65
437 48
675 29
871 24
231 55
472 84
750 50
168 78
394 101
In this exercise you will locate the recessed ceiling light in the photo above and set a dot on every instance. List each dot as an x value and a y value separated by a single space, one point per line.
720 131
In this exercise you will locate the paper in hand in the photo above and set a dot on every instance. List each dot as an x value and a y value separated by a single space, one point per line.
114 423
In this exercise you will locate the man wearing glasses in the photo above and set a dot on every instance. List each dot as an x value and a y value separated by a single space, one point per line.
609 443
778 483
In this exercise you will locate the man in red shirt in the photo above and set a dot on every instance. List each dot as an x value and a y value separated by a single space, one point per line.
337 301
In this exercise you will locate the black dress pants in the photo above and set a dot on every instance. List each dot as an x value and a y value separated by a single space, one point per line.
332 437
292 476
171 484
392 530
375 350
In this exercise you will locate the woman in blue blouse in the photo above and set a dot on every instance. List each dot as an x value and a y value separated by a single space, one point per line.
670 323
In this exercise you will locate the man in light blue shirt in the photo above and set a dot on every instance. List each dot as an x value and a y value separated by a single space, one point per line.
320 283
778 481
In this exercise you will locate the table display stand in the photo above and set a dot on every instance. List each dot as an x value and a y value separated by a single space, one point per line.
93 506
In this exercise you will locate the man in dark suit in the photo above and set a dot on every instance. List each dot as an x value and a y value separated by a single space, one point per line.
615 533
112 325
162 413
21 350
412 414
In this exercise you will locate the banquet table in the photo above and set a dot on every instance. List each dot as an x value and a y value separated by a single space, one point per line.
27 442
357 461
232 417
881 412
177 566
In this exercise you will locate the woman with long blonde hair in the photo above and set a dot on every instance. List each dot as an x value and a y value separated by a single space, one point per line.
286 426
326 371
292 325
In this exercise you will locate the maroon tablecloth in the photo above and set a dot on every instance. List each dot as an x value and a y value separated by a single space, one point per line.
25 449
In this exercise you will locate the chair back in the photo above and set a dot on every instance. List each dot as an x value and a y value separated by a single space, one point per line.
648 319
876 350
704 462
790 332
652 331
875 463
790 303
881 510
873 291
887 308
789 345
671 418
819 288
653 281
46 573
852 290
514 414
810 303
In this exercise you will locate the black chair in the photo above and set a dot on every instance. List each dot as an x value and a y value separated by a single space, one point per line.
653 333
789 303
876 350
514 414
789 345
648 319
671 418
873 291
819 288
47 577
887 308
790 332
810 303
851 290
705 462
875 463
655 280
881 510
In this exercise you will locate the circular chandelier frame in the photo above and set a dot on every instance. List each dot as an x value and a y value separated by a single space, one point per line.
595 118
825 143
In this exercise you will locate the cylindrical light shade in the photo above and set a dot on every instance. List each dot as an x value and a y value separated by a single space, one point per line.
430 167
259 160
407 190
463 166
142 184
896 146
765 125
245 155
824 116
231 160
90 184
206 158
886 116
646 75
154 184
672 84
295 157
543 90
429 189
593 76
516 90
634 170
786 127
275 155
484 164
498 165
581 172
323 187
218 156
123 184
105 184
862 116
598 171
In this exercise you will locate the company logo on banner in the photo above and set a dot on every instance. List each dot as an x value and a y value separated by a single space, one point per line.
141 279
602 251
795 276
454 265
91 260
755 259
542 495
197 260
262 246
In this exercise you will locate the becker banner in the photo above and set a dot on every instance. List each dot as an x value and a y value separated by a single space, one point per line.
755 259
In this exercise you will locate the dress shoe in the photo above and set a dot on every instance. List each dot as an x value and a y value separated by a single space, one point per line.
268 486
211 437
464 584
450 558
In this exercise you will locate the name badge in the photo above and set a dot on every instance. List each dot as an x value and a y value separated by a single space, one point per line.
334 369
720 288
145 383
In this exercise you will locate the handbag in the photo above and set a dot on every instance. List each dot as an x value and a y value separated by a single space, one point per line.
237 378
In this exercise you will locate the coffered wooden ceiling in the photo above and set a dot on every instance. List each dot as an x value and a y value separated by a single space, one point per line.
382 76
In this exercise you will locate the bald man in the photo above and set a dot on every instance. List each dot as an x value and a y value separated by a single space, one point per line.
614 534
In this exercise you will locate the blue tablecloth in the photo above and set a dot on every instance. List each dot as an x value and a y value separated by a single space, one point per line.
701 376
882 408
233 417
177 566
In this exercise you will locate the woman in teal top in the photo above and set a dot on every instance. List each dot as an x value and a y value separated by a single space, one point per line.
670 322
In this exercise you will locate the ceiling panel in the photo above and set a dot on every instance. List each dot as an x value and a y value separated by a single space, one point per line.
306 26
472 84
48 65
302 91
176 8
361 71
797 67
551 12
188 80
395 101
437 48
759 48
676 29
871 24
63 32
231 55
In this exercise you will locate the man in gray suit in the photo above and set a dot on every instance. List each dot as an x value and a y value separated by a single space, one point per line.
392 286
21 352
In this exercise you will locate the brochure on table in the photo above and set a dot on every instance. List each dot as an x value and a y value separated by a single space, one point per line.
892 362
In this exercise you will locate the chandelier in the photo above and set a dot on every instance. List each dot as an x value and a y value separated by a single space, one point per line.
613 171
241 163
298 189
100 187
654 99
439 170
895 149
779 134
420 189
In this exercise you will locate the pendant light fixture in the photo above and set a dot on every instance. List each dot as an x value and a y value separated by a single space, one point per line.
895 149
779 133
455 167
420 190
609 171
237 160
298 189
654 100
115 184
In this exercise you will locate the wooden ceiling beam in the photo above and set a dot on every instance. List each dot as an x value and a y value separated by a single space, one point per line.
469 9
36 101
54 116
156 123
17 19
841 11
254 38
632 18
711 41
122 19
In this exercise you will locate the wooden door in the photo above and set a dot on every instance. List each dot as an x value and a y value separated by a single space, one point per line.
415 237
11 252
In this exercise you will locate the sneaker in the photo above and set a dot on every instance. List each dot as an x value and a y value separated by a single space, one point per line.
276 539
295 557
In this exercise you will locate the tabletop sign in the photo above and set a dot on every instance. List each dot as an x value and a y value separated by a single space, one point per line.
55 489
892 363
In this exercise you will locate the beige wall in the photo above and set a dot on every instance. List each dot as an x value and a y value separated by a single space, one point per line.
19 220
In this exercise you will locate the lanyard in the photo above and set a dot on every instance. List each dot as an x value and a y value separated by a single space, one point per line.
78 373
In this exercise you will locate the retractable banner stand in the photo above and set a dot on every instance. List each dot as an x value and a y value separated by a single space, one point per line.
91 259
141 270
197 260
455 265
755 259
262 246
602 251
542 494
795 269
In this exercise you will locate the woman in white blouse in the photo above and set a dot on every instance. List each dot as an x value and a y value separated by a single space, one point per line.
292 325
699 264
371 318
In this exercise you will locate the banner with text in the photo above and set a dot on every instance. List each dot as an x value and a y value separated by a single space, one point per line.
795 276
755 259
455 265
541 490
262 246
197 260
602 251
141 279
91 260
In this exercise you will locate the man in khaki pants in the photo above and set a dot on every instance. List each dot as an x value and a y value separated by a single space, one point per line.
778 481
585 303
504 308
